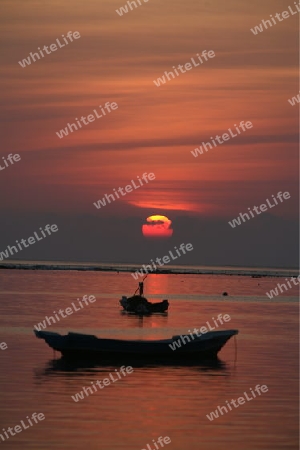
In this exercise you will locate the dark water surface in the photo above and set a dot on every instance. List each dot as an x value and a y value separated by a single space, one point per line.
156 400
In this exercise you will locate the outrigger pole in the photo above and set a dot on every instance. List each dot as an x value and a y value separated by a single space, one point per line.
141 286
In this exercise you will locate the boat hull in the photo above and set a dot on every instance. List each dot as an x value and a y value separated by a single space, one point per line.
80 346
140 305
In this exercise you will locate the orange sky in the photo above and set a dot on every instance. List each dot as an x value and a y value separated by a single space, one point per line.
154 129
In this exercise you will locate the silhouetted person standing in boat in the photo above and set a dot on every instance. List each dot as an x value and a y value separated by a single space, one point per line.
141 288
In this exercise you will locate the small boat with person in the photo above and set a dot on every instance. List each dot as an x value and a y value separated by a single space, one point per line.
138 304
141 306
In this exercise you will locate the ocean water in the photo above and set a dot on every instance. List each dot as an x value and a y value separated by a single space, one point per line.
154 400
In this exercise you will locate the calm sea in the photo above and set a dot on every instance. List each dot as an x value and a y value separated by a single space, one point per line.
154 400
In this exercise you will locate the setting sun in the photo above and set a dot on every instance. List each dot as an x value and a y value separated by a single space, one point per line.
157 226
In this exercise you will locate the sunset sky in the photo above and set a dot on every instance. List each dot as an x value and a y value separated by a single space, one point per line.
153 130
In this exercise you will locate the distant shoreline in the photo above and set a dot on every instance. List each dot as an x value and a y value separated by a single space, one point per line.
179 270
